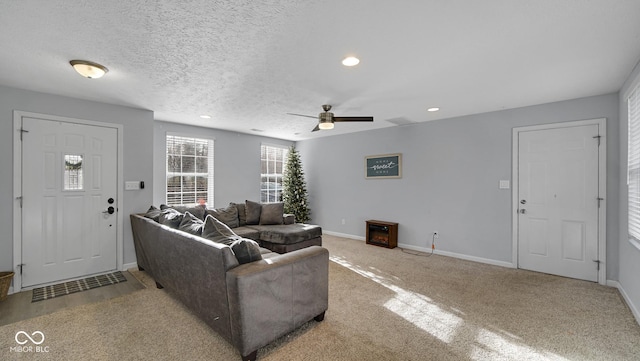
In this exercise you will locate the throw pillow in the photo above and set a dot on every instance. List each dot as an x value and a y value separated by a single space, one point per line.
213 229
242 215
272 213
252 211
246 250
153 213
170 217
228 216
198 210
191 224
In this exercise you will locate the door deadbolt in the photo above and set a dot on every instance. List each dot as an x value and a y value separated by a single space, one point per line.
524 201
110 200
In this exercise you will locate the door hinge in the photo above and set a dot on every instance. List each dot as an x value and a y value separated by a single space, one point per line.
597 261
20 266
19 199
22 131
598 137
599 201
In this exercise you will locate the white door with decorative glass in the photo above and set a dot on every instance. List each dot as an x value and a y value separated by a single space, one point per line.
69 192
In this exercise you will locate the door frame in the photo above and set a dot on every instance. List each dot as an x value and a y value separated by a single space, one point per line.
602 186
17 186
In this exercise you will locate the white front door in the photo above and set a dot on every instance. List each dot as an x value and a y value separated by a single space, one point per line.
69 180
558 201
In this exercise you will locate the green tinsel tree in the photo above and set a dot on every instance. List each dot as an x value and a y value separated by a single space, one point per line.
295 188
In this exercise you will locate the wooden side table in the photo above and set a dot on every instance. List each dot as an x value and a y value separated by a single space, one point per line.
381 233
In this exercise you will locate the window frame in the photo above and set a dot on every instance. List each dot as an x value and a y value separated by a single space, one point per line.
170 138
275 180
633 165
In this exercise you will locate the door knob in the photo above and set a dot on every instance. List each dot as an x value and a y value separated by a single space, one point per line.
523 211
109 210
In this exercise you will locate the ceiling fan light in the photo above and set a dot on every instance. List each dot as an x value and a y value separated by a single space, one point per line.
89 69
325 126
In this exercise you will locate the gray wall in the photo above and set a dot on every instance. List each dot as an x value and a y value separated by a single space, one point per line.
137 148
451 171
236 165
629 267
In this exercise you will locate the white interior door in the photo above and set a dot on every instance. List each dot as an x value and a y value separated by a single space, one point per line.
69 180
558 201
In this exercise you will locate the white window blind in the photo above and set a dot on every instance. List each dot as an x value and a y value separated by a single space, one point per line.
189 171
633 163
273 160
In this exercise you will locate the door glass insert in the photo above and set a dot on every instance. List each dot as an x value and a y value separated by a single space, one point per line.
73 172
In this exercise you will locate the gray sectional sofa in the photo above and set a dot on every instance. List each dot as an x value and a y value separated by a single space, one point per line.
249 304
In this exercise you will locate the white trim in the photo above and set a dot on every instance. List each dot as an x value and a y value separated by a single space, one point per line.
128 266
17 186
602 187
627 299
344 235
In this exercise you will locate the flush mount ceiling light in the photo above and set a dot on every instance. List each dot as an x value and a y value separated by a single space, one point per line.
434 109
89 69
350 61
205 116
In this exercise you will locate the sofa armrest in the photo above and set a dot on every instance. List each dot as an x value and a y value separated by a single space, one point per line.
273 296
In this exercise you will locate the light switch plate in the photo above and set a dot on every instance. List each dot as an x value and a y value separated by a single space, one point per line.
131 185
504 184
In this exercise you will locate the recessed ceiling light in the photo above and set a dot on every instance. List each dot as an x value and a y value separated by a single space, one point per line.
350 61
89 69
434 109
205 116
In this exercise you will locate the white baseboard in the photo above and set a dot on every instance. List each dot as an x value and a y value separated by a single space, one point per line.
127 266
343 235
627 299
428 250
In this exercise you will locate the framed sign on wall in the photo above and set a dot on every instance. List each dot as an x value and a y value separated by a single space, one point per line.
383 166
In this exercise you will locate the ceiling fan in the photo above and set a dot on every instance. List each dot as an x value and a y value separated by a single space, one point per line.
326 119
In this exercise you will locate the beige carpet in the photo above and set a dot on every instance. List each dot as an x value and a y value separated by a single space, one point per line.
383 305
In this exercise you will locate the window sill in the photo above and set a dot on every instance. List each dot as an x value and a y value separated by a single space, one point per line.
635 243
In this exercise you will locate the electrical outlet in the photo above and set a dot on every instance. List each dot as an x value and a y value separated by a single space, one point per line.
436 235
344 221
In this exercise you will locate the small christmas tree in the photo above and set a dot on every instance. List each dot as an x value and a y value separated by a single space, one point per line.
295 188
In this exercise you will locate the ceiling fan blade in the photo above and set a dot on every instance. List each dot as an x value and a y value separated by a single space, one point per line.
352 119
303 115
316 128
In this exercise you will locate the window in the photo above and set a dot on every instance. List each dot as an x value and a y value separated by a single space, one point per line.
273 161
633 163
189 170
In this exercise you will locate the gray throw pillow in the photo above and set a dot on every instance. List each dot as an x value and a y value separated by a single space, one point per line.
170 217
272 213
252 211
242 215
214 229
246 250
198 210
191 224
228 216
153 213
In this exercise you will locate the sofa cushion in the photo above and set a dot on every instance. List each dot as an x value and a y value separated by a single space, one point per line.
247 232
214 229
272 213
242 215
228 215
246 250
198 210
252 211
170 217
153 213
191 224
288 233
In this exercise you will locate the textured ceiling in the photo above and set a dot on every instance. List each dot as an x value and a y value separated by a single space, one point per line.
248 63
